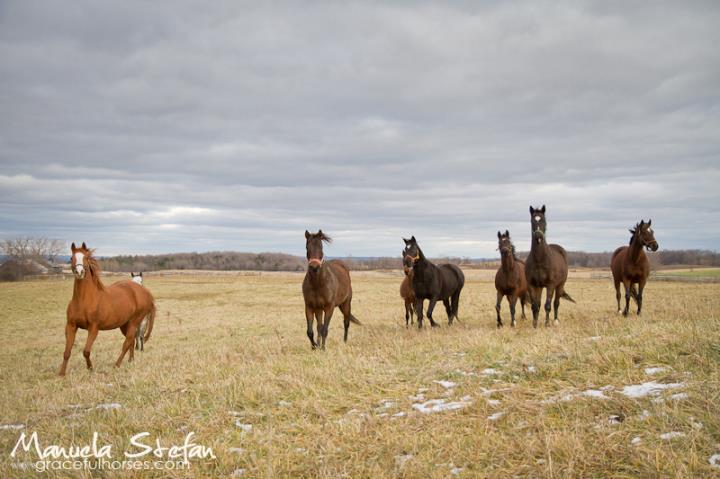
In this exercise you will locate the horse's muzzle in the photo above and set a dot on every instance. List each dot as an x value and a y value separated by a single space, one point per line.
315 263
652 246
79 272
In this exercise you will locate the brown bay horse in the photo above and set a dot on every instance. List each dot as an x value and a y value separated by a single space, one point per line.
546 267
434 283
510 279
326 286
406 293
95 307
630 265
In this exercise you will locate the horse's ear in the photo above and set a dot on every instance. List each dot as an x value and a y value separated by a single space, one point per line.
413 239
542 210
307 234
499 235
642 222
632 232
83 245
532 210
507 233
72 247
407 241
140 274
649 222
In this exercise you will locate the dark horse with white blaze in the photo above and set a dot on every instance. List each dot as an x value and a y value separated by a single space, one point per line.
546 267
630 265
434 283
326 285
510 279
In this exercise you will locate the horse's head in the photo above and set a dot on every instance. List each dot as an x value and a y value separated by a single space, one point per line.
79 260
644 233
538 224
411 254
137 278
505 245
314 248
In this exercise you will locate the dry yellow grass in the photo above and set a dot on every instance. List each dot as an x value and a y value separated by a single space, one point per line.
236 344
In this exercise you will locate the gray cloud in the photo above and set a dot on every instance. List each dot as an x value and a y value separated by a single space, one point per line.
183 126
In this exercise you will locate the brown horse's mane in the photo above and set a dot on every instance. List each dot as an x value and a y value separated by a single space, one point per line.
95 270
634 232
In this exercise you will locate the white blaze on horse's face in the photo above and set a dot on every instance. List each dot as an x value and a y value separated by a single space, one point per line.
79 270
537 218
137 279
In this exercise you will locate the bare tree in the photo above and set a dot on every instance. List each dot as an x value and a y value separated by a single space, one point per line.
27 247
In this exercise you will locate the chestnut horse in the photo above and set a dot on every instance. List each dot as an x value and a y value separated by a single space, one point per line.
510 279
546 267
406 293
326 285
434 283
631 266
95 307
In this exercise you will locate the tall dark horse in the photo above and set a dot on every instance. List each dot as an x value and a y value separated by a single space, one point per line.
545 267
326 285
630 265
433 283
510 279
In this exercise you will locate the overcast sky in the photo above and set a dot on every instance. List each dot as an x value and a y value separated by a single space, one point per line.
167 126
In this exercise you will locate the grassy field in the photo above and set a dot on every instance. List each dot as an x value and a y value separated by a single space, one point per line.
229 360
694 273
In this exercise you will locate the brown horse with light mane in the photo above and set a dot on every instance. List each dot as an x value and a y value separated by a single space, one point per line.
95 307
510 279
407 294
326 286
631 266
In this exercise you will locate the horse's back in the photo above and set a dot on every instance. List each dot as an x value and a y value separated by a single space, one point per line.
131 294
616 263
453 277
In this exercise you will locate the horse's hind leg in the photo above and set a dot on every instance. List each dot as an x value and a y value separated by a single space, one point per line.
92 335
455 304
345 310
70 331
556 303
641 287
497 309
617 295
309 319
523 299
127 344
448 311
326 324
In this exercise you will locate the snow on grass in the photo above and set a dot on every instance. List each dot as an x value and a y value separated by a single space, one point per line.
446 384
439 405
651 388
238 472
402 459
679 396
236 450
714 461
12 427
493 402
243 426
636 441
490 372
594 393
495 416
669 436
108 406
655 370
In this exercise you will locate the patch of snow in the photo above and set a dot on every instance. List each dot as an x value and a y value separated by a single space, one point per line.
283 403
387 404
446 384
419 397
540 461
531 369
352 411
695 424
238 472
402 459
668 436
12 427
594 393
714 461
644 415
400 414
466 398
679 396
439 405
109 406
493 402
651 388
636 441
496 416
655 370
235 413
455 471
236 450
301 450
244 427
609 387
422 390
384 414
489 371
594 338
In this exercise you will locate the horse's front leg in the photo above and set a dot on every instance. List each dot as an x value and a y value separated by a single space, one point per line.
641 287
535 296
70 331
309 319
419 311
497 309
431 307
512 299
326 324
628 293
548 304
92 335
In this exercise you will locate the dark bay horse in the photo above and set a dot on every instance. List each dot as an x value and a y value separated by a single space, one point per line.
545 267
95 307
406 293
510 279
326 285
434 283
631 266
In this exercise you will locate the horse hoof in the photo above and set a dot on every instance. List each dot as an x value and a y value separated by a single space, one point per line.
557 323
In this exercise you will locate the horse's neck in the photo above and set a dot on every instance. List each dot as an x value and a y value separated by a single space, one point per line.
320 279
539 251
508 262
85 291
635 251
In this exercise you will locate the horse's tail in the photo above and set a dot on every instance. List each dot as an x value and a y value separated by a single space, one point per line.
353 319
151 321
564 295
